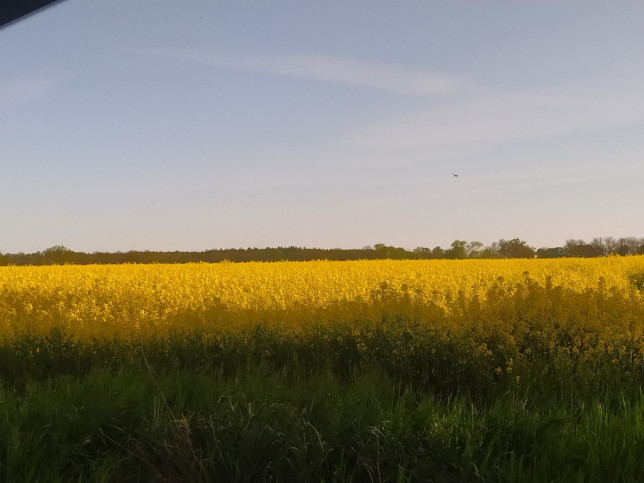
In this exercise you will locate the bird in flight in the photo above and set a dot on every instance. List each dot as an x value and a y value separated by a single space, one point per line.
455 175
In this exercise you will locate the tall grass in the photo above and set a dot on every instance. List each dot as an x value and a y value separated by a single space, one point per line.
195 409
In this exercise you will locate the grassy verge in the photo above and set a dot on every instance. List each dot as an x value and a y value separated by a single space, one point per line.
270 408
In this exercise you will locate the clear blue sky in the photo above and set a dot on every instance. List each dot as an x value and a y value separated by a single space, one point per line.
188 125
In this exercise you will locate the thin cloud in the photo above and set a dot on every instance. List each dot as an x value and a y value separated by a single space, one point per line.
481 122
27 89
327 69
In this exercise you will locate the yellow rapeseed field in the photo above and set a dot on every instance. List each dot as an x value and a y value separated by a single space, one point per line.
575 306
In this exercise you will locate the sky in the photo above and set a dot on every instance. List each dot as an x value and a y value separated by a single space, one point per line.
191 125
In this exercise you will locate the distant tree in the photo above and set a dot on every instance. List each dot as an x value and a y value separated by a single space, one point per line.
515 248
610 245
489 252
438 252
604 246
57 255
422 252
556 252
473 249
390 252
581 249
628 245
381 250
457 251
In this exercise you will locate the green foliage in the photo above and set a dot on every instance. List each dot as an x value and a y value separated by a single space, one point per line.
346 404
638 280
515 248
458 250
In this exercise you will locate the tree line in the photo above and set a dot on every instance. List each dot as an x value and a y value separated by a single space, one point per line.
459 249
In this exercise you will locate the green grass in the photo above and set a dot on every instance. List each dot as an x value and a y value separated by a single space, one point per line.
273 409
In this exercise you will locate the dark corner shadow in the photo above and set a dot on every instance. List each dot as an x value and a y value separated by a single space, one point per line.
14 10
